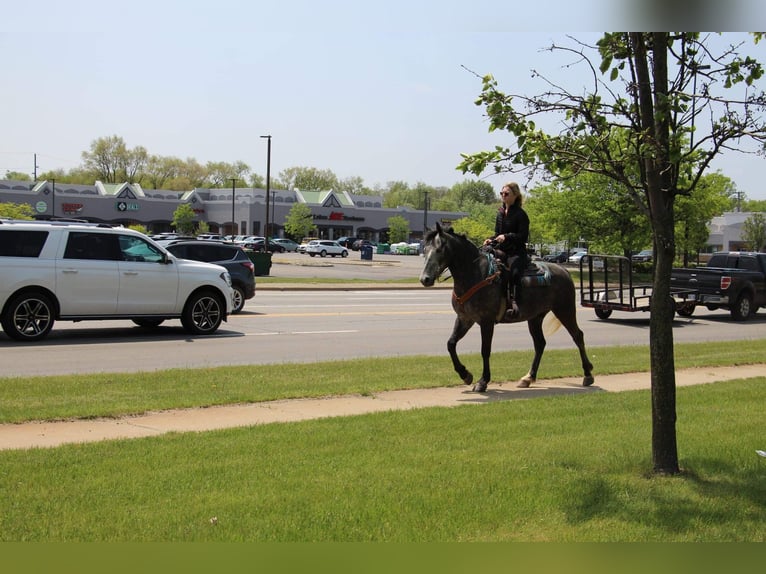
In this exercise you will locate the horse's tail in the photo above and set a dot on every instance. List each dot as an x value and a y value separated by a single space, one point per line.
551 324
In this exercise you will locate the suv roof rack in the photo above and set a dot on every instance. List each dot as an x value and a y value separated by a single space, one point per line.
59 221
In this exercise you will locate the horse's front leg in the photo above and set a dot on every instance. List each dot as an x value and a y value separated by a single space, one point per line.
487 332
458 332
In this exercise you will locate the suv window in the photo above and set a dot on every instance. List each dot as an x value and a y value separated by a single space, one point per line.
136 249
85 245
15 243
209 253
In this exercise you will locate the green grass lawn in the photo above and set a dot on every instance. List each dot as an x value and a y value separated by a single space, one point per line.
107 395
563 468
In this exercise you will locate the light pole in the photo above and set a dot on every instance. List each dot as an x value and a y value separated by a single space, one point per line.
233 221
273 195
268 188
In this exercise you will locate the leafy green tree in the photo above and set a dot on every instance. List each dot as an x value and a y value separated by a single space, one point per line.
299 222
111 160
467 192
140 228
479 224
754 205
635 124
17 176
398 229
308 179
220 173
184 219
754 231
17 210
693 212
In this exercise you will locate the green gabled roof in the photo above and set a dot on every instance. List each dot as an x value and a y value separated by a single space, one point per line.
326 198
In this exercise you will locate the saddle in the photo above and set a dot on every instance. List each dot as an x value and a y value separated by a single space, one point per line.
535 274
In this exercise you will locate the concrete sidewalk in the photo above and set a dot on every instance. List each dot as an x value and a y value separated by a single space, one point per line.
50 434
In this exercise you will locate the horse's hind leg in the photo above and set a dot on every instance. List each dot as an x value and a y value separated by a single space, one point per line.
538 339
458 332
569 320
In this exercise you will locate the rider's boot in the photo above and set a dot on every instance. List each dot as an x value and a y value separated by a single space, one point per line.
512 308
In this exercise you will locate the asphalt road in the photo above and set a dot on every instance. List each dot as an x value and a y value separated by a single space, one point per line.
281 326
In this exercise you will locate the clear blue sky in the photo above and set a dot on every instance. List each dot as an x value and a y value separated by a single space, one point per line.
371 89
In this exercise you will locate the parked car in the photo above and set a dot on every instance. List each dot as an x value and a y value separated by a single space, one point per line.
288 244
212 237
560 257
228 255
304 243
325 247
576 256
79 271
258 245
347 242
643 256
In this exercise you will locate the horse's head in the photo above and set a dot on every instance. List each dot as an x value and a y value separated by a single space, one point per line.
438 251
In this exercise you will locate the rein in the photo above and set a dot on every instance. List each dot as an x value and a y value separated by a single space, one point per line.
462 299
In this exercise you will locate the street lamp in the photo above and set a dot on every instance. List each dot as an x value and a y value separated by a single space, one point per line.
268 188
233 221
273 195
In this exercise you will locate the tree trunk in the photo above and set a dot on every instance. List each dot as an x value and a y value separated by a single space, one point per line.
660 194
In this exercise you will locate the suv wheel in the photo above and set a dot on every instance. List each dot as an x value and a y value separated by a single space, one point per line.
29 317
203 313
239 299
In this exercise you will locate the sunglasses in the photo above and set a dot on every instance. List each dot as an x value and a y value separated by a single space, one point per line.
503 194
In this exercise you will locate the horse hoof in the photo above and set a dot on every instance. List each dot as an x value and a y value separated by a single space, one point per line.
525 382
480 387
588 381
468 379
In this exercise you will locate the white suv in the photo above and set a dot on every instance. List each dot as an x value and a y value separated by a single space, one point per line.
323 248
78 271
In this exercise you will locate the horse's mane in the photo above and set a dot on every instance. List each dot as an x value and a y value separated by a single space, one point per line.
465 243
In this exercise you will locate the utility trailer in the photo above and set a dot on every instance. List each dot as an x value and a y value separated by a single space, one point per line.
606 285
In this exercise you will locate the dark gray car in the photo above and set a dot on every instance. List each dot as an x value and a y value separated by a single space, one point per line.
227 255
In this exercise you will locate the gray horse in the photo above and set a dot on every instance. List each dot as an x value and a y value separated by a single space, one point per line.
478 296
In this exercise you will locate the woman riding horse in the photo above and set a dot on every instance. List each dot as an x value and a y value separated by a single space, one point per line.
511 236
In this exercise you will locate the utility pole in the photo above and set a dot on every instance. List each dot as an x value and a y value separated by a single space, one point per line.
233 221
268 189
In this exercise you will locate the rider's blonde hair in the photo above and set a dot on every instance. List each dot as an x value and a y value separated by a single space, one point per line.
516 191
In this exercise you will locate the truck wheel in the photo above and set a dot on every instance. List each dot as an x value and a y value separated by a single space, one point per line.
28 317
203 313
742 308
686 309
603 313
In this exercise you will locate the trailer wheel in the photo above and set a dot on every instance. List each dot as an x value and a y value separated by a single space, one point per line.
603 312
742 308
686 309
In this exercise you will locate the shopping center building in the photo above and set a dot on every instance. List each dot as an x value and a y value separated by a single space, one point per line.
238 211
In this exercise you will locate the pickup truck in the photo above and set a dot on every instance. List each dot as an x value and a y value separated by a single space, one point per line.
731 280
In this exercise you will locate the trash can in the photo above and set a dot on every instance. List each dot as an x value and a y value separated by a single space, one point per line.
366 251
261 261
382 248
